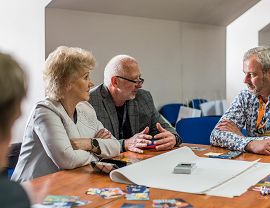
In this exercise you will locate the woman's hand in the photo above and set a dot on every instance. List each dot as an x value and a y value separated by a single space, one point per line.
103 134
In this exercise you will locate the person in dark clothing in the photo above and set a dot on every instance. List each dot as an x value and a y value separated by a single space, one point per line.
13 90
128 111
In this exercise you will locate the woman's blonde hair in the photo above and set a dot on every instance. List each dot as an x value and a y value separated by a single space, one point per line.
60 67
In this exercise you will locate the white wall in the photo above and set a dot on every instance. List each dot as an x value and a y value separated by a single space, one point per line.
178 60
203 61
242 35
22 35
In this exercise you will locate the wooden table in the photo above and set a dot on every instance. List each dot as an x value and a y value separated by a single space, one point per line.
76 182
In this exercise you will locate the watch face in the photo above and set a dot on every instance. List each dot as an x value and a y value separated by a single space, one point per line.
95 143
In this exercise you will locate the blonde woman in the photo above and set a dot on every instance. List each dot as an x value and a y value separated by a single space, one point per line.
63 131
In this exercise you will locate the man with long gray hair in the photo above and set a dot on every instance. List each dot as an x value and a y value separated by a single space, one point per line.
128 111
250 109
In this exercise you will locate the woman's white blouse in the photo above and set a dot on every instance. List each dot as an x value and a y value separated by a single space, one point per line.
46 146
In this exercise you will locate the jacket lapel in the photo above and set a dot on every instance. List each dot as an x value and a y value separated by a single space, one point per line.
110 108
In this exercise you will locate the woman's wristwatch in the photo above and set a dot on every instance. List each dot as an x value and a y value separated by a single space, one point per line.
95 148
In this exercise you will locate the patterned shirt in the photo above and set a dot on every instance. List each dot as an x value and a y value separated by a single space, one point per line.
243 112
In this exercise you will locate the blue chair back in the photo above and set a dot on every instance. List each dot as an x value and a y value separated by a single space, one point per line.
196 130
170 112
195 103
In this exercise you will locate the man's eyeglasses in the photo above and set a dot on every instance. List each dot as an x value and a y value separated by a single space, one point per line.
137 82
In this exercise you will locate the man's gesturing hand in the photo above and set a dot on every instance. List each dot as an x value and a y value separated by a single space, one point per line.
138 141
165 139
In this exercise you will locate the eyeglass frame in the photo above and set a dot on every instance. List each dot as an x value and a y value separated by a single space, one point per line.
140 81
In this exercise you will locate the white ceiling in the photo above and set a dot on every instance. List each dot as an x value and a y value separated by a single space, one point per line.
213 12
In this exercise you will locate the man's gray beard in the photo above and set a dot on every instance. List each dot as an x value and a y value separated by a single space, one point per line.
132 98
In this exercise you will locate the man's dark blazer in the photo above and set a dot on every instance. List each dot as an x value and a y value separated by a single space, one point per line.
141 112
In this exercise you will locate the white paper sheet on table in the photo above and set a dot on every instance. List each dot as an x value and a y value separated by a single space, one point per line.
218 177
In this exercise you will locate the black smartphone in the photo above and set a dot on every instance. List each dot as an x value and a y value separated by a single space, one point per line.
107 165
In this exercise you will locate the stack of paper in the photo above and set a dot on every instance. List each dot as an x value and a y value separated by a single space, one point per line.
219 177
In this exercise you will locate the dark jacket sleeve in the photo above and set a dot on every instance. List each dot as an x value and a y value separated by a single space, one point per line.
147 107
